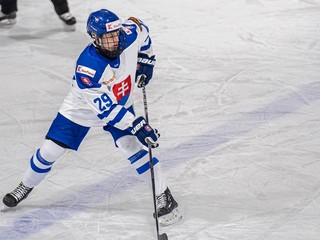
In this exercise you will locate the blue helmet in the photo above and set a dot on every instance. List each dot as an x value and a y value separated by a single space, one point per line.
102 22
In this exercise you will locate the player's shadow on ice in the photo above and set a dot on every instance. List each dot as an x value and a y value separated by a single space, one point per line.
42 34
44 41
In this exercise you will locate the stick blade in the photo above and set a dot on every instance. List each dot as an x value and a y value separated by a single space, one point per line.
163 236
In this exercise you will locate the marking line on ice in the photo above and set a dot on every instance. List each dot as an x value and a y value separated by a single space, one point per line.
35 221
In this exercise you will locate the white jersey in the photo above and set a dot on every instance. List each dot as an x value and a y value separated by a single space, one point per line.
101 91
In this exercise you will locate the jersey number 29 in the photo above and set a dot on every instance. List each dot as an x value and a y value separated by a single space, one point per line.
103 102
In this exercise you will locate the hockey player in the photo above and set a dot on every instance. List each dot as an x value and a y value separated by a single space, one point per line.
9 8
105 76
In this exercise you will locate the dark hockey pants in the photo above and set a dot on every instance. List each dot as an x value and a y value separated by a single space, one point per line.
8 6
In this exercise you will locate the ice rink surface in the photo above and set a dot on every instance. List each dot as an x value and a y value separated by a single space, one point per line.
235 96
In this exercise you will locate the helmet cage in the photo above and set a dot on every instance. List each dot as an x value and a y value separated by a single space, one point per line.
111 53
103 22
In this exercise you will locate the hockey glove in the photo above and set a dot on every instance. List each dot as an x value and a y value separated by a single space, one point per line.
144 69
142 130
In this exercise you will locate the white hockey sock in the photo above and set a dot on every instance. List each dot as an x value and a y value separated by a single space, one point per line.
41 163
138 156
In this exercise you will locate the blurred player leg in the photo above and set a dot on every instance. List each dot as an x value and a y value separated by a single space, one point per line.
8 12
61 7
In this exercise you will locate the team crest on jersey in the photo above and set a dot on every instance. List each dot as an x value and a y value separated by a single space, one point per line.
122 90
86 81
85 70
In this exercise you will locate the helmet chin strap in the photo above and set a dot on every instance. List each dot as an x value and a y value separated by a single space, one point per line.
106 53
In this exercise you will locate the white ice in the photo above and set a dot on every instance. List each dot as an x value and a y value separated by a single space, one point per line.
235 96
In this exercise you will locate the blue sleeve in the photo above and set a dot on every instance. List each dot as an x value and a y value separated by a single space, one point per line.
89 68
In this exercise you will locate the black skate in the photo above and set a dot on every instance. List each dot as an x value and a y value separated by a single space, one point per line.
13 198
7 19
69 21
168 212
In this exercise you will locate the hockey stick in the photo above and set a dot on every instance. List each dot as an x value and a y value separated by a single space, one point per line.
162 236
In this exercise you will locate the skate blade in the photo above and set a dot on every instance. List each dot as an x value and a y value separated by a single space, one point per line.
7 23
69 28
171 218
4 208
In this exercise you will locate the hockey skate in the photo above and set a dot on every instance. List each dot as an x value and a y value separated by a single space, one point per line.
168 212
7 20
69 21
13 198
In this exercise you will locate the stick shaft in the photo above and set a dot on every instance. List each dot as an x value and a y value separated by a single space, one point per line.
145 103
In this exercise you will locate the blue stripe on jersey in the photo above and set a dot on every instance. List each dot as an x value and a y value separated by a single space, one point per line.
145 167
137 156
143 24
118 117
144 48
106 113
